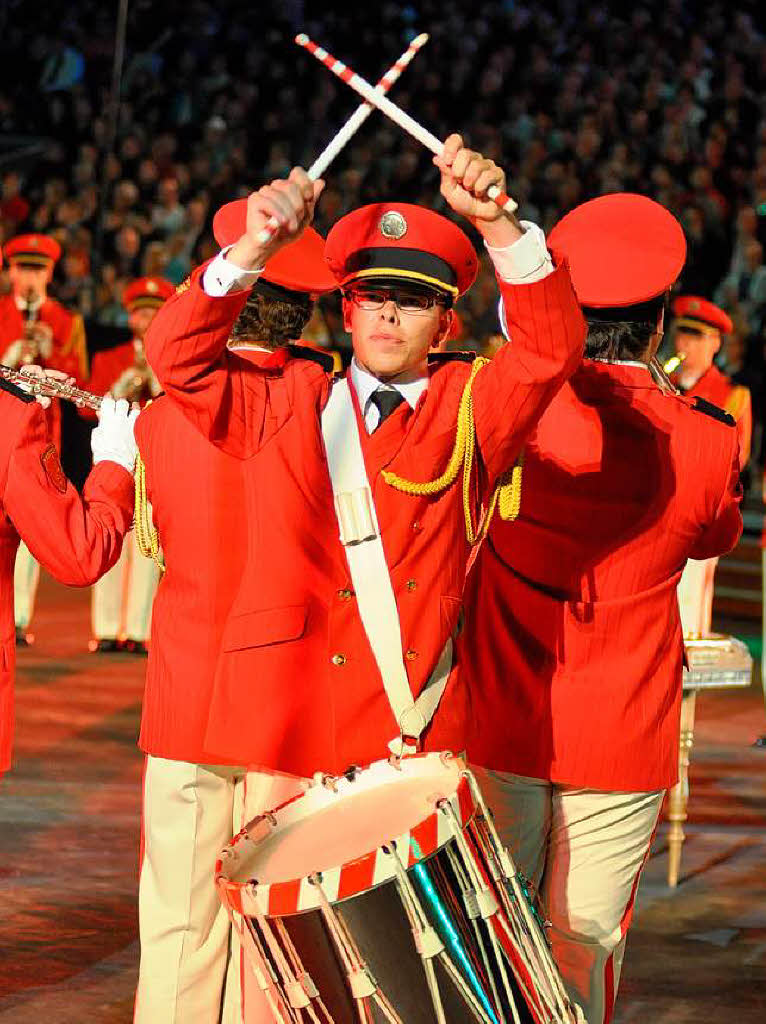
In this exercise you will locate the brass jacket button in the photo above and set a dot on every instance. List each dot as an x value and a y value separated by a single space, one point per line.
345 594
338 659
411 584
411 655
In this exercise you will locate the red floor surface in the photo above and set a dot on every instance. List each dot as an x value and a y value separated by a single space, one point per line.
69 832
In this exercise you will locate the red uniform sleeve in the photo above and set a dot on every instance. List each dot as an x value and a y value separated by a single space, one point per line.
546 331
725 527
75 538
232 401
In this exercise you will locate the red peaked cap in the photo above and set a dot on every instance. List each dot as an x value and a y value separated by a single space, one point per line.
147 292
299 267
37 250
622 249
692 307
400 241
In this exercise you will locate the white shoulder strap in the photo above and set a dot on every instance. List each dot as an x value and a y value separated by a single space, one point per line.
360 536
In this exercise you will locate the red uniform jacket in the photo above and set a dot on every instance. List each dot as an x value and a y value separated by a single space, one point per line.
75 539
69 353
719 389
297 687
573 646
198 506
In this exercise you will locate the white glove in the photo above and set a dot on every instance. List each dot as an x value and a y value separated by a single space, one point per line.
113 440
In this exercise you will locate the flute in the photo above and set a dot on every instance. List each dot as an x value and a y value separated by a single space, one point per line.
51 388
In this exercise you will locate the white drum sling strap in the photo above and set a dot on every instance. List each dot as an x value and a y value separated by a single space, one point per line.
360 537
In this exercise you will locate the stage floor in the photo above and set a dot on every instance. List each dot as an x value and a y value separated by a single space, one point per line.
69 847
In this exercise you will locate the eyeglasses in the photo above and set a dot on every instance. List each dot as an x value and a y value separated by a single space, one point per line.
405 301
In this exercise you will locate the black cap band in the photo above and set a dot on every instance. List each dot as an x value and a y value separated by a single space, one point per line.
641 312
406 264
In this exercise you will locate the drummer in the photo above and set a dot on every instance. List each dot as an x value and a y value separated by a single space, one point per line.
298 688
573 645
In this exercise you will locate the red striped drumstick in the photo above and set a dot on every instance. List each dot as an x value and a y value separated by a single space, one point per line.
396 114
354 123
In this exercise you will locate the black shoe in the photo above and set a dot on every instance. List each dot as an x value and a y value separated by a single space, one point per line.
135 647
106 645
760 742
23 638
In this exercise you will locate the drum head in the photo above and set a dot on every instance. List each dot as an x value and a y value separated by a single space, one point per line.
332 826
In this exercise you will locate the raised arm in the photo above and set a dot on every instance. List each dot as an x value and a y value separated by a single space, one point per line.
235 404
542 317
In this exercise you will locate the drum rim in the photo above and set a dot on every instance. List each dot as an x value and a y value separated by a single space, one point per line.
353 877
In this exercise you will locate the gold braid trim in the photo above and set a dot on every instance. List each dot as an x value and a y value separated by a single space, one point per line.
506 497
735 404
147 538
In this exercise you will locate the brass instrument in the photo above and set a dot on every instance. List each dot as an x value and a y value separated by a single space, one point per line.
30 350
661 379
136 383
51 388
672 364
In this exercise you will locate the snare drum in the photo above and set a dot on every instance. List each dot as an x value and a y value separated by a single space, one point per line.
385 896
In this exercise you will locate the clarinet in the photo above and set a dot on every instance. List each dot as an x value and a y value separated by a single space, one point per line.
51 388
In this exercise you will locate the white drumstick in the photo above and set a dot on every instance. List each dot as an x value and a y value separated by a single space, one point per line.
396 114
354 123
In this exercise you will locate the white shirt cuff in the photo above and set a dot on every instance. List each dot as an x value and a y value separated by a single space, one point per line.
524 261
222 276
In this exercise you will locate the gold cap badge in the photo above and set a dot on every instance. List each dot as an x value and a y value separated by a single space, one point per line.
393 225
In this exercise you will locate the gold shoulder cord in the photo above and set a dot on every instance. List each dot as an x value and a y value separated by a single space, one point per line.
147 538
506 497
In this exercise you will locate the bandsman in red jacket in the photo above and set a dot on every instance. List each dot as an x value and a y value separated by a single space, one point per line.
573 649
121 605
698 331
298 686
75 538
197 495
36 329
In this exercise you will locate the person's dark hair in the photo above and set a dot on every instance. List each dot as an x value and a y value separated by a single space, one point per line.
618 340
270 322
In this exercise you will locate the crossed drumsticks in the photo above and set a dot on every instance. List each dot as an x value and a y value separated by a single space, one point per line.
374 97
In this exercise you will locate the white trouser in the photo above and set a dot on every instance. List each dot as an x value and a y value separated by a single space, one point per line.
121 601
26 576
190 967
695 595
583 850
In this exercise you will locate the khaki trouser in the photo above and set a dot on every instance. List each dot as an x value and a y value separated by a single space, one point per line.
26 576
695 595
190 962
121 602
583 850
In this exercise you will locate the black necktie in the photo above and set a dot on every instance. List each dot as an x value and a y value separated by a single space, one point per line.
385 401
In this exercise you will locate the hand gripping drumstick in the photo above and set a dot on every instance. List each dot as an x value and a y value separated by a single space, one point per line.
397 115
354 123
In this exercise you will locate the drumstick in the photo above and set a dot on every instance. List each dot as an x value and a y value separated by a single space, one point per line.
396 114
354 123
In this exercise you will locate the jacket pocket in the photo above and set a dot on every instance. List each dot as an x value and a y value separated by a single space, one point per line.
267 626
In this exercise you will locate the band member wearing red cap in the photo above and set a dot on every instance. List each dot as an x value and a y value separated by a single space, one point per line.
299 687
75 538
573 645
197 519
37 329
698 330
122 599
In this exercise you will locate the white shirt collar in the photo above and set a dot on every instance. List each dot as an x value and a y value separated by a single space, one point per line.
365 384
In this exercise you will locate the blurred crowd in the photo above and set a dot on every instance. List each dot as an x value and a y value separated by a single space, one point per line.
574 99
